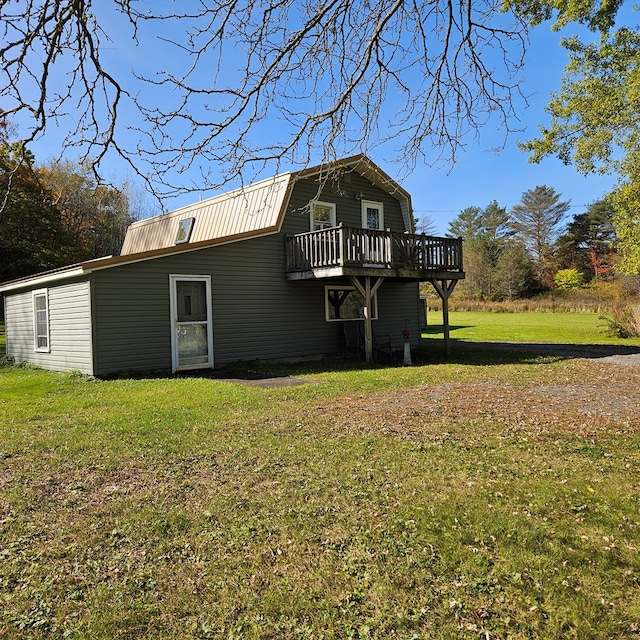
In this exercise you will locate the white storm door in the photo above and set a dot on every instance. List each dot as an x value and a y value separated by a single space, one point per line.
192 330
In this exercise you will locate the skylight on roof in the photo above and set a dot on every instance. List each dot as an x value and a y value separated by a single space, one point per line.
185 227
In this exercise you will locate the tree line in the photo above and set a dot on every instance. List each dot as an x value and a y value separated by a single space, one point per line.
520 252
56 214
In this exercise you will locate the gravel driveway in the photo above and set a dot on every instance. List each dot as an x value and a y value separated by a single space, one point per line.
614 353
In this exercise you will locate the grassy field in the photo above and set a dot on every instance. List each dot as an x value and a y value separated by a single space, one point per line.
495 495
568 328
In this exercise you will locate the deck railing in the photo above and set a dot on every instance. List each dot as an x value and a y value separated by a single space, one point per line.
353 247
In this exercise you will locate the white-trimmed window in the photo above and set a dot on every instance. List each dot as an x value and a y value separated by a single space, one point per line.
346 303
41 320
323 215
372 215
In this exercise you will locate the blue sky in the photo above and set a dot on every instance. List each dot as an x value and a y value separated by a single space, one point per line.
479 175
482 175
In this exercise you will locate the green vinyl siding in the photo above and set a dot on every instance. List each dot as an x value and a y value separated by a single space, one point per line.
69 314
398 308
131 318
257 313
348 209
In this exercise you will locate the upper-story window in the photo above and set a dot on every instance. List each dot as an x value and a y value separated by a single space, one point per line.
41 320
323 215
372 215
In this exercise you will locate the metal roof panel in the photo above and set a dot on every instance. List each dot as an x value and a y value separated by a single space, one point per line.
250 209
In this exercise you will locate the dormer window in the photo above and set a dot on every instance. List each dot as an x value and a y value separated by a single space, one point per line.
323 215
185 227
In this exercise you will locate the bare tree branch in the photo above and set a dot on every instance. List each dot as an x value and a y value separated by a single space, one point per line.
257 82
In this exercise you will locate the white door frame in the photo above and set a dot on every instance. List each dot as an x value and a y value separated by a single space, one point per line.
175 326
374 248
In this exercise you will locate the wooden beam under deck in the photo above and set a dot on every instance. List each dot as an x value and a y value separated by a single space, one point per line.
445 289
367 291
415 275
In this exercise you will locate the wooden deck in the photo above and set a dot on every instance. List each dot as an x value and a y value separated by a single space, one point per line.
344 251
367 258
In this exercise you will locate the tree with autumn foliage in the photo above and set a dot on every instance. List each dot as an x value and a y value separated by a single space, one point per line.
32 237
54 215
95 217
588 241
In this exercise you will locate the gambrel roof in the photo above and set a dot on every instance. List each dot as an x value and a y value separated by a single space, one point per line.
255 210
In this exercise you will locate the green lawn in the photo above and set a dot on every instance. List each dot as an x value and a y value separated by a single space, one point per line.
480 498
569 328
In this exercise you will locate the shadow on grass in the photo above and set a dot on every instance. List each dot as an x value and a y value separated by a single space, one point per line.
431 351
460 349
436 329
252 375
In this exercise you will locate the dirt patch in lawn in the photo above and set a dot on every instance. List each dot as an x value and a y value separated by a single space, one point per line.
584 397
250 378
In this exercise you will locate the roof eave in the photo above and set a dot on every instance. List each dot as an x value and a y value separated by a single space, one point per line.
90 266
42 278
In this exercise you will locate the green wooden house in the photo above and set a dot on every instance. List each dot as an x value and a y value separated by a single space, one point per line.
285 268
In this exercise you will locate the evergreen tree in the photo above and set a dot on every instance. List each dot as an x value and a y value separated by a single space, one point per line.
467 224
514 272
495 266
587 244
425 224
535 221
495 230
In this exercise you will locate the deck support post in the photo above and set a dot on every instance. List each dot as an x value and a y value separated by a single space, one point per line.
367 291
445 289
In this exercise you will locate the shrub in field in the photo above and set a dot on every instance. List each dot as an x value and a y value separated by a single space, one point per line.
623 321
568 279
608 289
